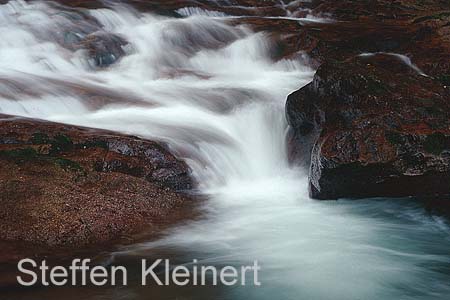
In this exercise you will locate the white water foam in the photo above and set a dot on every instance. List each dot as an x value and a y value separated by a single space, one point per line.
191 11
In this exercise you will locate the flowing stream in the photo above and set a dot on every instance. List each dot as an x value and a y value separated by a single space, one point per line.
211 91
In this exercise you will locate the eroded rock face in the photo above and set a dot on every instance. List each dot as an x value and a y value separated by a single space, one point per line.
62 185
374 127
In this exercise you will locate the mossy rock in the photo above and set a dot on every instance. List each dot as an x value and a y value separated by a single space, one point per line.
61 143
30 154
25 154
68 165
94 144
39 138
393 137
444 79
435 143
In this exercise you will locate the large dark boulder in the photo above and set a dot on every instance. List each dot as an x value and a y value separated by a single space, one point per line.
372 126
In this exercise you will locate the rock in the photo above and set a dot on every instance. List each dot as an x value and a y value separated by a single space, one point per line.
78 30
417 29
371 123
67 186
373 127
104 49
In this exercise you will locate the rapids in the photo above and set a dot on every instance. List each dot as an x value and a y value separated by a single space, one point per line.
211 91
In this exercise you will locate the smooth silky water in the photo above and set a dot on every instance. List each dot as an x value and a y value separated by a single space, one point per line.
211 91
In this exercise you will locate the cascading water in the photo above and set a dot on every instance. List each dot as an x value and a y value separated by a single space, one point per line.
212 92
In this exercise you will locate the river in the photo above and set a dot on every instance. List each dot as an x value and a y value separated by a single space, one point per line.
212 92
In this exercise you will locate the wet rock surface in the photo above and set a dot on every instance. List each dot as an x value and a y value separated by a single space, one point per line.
417 29
75 29
374 127
66 186
374 122
103 49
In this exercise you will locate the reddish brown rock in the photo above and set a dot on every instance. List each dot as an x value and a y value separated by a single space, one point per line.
418 29
62 185
376 128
